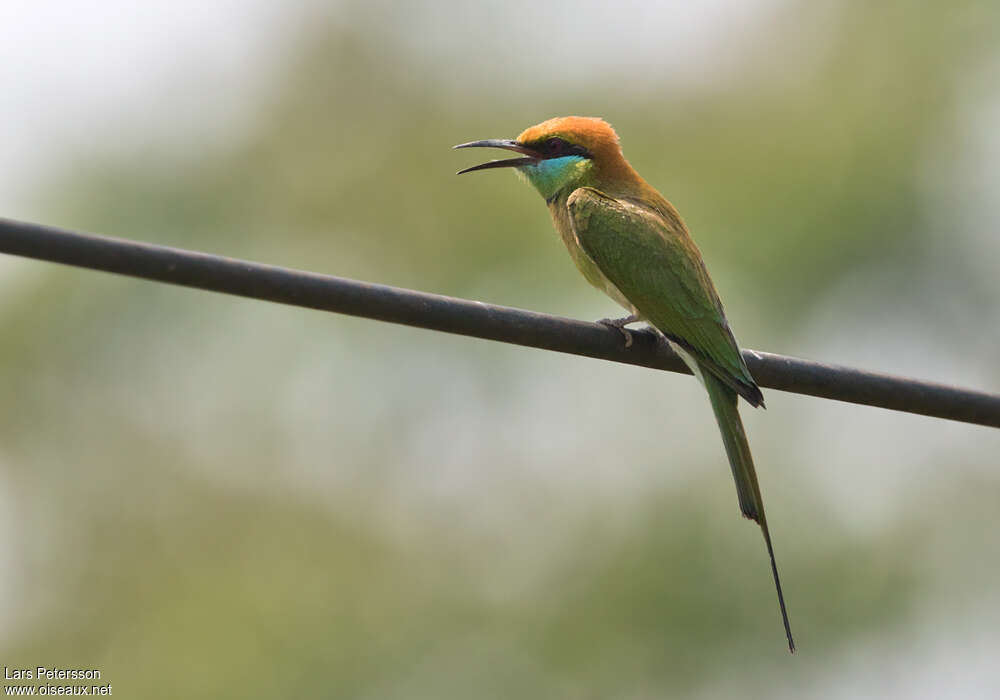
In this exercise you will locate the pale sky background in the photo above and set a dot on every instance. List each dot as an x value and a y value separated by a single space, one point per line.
77 72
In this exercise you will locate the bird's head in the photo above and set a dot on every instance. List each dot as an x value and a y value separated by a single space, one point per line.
560 154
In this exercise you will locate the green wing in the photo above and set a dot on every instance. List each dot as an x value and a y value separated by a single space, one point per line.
654 263
658 268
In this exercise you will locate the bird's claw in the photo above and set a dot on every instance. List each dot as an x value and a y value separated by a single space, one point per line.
620 324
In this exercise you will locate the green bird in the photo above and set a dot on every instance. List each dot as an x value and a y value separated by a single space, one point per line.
630 242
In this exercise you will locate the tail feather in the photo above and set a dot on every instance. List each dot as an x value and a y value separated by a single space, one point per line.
727 415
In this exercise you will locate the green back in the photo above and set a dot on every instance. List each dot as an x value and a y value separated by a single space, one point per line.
656 265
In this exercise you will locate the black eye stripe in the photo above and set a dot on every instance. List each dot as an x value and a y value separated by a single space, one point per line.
555 147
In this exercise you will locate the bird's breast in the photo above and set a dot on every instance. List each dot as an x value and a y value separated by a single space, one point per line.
587 267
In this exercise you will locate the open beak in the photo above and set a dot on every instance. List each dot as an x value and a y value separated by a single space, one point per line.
531 156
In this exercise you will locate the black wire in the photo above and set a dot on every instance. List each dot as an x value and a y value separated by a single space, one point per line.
473 318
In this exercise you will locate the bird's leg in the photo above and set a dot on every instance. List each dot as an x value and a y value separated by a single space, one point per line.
620 324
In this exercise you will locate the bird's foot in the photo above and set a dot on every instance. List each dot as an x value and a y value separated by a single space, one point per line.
620 324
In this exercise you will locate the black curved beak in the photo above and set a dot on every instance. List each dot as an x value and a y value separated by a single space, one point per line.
531 156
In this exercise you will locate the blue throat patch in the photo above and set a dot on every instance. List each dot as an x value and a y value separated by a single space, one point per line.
553 174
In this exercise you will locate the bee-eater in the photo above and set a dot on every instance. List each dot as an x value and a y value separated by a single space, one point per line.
630 242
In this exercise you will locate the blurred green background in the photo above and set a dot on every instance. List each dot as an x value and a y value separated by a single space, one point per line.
212 497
